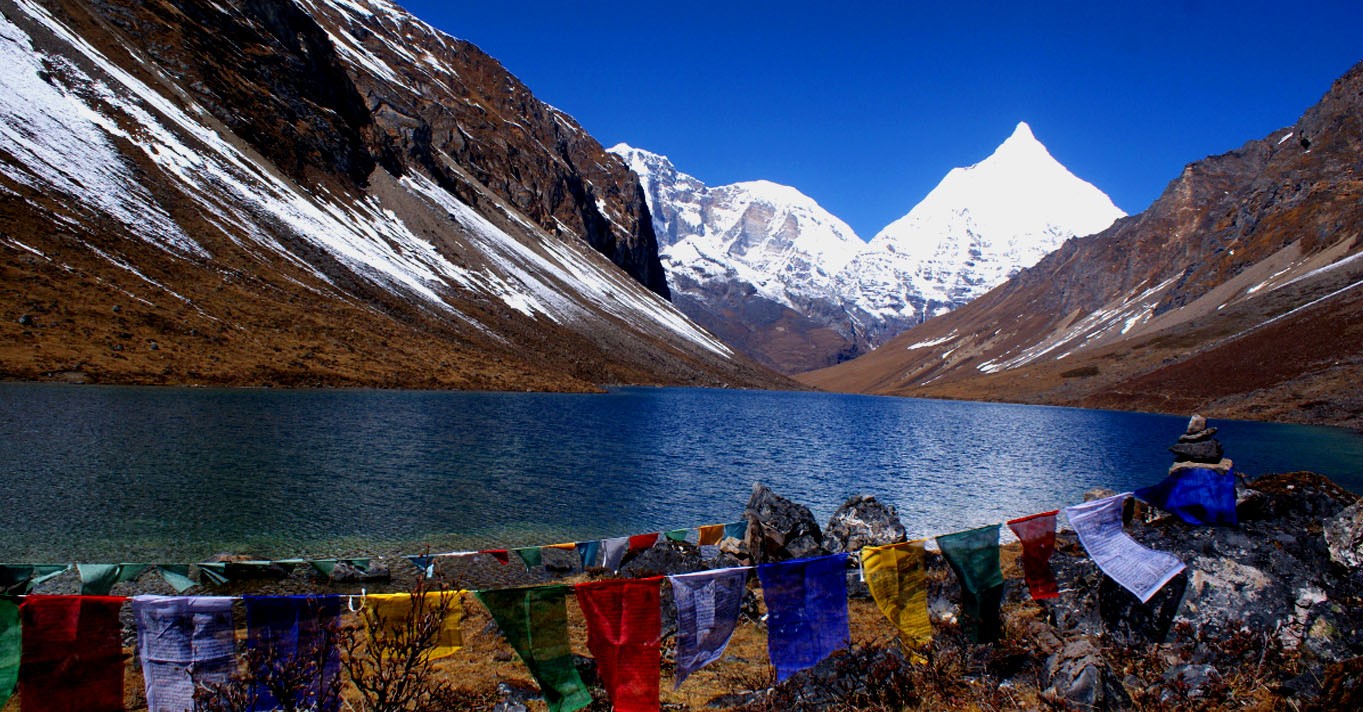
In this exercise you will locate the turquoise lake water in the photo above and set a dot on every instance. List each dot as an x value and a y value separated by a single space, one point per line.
95 473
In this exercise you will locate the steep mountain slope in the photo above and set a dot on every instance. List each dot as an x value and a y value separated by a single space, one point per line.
752 262
331 193
1237 293
977 228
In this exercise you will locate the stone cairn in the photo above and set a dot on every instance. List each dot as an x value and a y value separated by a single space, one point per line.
1197 448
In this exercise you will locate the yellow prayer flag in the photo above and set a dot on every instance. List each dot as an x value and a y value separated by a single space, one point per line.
711 534
897 577
394 608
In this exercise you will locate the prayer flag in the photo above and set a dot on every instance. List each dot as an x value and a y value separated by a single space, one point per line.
295 638
534 621
72 654
1197 495
177 575
11 647
639 542
737 530
711 534
1037 534
624 633
501 555
185 643
897 577
22 578
974 557
214 571
708 604
99 579
568 546
1141 570
531 556
394 610
806 611
589 552
424 562
613 552
678 535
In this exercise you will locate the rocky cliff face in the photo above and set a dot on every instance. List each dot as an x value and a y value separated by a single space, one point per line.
1234 293
269 192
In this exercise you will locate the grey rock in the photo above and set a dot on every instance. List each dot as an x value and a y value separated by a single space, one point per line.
26 320
1079 675
862 521
1193 679
1344 536
779 529
1208 451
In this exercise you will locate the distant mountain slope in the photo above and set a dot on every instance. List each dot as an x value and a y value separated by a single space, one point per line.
1237 292
752 262
331 193
778 277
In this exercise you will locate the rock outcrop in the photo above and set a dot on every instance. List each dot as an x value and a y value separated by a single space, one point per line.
862 521
779 529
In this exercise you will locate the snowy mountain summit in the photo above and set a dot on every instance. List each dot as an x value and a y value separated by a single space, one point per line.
774 274
979 226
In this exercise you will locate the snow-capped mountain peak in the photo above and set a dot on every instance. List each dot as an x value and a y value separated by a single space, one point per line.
978 227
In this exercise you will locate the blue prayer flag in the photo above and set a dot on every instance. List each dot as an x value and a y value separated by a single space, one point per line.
806 611
1197 495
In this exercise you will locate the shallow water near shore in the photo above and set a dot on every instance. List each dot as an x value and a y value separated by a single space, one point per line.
104 473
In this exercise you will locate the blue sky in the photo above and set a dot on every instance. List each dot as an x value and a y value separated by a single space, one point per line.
866 105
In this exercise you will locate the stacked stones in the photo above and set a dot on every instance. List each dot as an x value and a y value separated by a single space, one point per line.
1197 448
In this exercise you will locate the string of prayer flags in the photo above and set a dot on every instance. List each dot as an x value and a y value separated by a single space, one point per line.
22 578
624 633
293 636
711 534
708 605
1197 495
589 552
1140 570
395 611
11 648
99 579
72 654
896 574
974 556
531 556
806 611
1037 534
534 621
613 552
185 643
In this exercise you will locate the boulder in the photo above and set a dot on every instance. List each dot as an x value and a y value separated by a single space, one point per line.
862 521
779 529
1208 451
1344 536
1079 676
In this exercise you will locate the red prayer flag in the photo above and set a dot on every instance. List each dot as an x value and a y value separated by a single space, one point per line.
643 541
501 555
72 654
1037 534
624 633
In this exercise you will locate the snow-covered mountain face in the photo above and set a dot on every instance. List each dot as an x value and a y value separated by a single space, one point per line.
322 192
759 240
757 252
977 228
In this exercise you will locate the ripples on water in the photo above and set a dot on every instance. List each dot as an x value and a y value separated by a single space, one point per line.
113 473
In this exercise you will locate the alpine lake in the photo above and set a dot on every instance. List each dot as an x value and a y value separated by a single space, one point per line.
107 474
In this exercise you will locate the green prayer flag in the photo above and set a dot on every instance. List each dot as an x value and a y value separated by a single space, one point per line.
534 621
22 578
531 555
215 572
974 557
10 648
326 567
99 579
177 575
677 534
